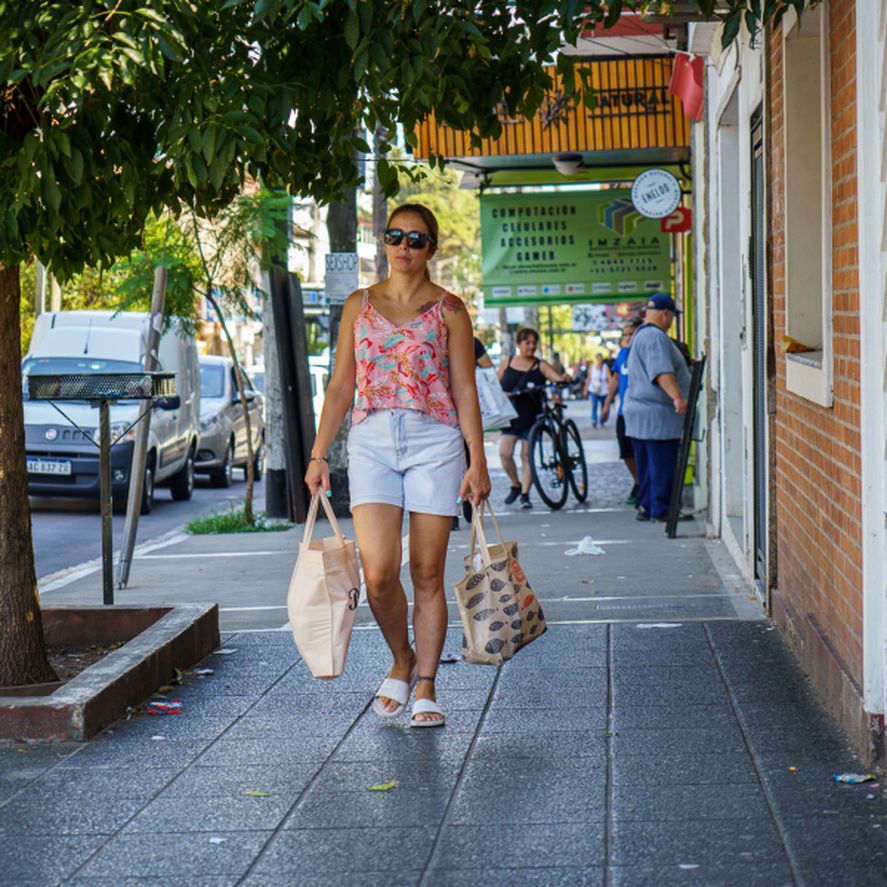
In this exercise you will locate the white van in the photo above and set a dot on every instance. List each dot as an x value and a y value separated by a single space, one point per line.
62 461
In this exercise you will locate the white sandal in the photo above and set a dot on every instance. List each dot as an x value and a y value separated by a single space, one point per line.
427 706
396 689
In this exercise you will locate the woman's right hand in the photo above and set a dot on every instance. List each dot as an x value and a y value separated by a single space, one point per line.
317 477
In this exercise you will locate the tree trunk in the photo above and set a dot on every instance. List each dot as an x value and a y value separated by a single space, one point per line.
244 406
380 213
22 651
341 223
275 452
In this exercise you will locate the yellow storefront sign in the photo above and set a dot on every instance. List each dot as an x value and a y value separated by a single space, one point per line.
630 110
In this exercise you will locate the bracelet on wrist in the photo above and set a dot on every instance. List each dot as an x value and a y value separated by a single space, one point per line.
319 459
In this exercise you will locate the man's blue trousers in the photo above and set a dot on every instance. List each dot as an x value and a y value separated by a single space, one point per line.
656 461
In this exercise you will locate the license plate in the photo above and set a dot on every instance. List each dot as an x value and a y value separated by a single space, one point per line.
48 466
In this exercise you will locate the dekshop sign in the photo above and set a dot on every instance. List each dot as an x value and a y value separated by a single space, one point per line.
584 246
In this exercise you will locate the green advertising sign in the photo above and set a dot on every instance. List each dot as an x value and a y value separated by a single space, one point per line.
562 247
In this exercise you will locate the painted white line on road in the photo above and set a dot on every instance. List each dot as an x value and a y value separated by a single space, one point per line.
251 609
207 554
61 578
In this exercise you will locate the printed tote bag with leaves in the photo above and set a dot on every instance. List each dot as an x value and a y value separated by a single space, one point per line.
500 612
323 595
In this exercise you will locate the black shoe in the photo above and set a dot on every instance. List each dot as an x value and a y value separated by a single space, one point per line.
512 495
642 515
525 500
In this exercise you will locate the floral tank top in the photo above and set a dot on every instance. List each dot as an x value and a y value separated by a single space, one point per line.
402 367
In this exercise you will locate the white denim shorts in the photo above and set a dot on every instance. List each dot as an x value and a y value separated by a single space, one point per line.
405 458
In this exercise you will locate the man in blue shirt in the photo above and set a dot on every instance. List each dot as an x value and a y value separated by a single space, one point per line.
655 405
619 384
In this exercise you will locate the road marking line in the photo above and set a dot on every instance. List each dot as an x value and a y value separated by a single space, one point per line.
61 578
250 609
162 557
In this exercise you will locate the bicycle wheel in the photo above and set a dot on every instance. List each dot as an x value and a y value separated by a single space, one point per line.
577 470
547 465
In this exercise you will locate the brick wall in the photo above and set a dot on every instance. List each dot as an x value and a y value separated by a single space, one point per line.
817 484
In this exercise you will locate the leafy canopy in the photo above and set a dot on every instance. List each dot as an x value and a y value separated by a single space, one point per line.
110 111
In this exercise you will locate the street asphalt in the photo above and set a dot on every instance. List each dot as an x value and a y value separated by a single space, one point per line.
660 733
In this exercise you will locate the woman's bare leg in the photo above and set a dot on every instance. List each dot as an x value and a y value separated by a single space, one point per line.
378 530
526 473
429 535
506 457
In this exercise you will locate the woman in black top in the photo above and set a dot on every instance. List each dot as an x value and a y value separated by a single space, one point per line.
522 378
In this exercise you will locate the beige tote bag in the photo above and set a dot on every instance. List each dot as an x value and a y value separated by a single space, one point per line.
500 613
323 595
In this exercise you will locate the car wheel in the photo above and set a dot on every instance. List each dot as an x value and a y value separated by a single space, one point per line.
147 490
182 483
222 477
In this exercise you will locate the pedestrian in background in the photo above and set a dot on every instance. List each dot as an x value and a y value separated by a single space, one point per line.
523 379
619 385
406 345
659 382
597 387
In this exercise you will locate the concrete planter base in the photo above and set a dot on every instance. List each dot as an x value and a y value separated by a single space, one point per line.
157 641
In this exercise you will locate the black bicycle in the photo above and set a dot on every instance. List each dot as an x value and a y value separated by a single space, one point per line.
557 457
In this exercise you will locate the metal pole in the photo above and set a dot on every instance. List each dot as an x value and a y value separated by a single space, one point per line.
142 427
106 504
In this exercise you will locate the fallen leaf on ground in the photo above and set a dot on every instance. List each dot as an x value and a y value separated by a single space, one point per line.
254 794
382 786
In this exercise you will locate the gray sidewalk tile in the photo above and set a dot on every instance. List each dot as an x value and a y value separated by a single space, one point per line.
719 841
322 853
134 752
44 859
338 776
689 802
212 813
586 746
203 781
543 721
684 768
394 878
718 716
267 751
36 813
761 874
656 740
150 881
548 802
676 695
517 877
164 855
424 746
400 806
476 847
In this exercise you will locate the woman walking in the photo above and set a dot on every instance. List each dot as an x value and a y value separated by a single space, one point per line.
523 378
406 344
598 385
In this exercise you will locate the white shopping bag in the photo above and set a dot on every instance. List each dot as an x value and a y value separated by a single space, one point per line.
496 410
323 595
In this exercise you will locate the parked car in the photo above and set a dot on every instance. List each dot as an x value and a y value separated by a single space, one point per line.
318 370
61 451
222 426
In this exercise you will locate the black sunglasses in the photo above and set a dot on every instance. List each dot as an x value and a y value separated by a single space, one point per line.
415 239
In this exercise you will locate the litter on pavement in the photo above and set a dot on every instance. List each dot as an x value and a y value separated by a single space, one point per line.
585 546
165 708
854 778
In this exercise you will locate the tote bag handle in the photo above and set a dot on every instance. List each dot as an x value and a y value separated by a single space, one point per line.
321 498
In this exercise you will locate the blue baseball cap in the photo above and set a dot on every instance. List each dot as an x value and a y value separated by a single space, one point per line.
663 302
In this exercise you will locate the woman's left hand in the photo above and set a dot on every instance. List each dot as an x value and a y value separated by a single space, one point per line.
476 484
